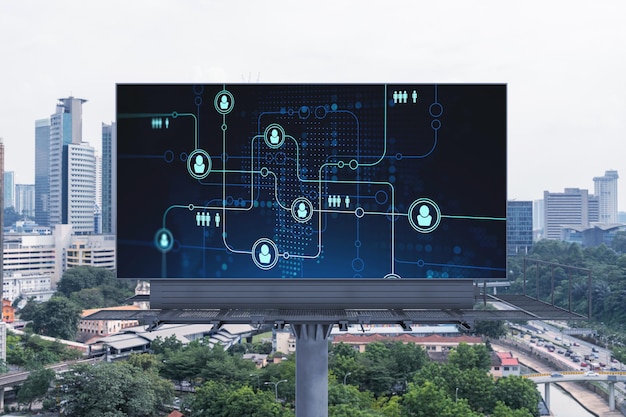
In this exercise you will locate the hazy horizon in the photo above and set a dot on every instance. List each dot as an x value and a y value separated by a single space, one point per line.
562 63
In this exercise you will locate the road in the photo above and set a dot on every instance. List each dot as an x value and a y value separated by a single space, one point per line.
551 334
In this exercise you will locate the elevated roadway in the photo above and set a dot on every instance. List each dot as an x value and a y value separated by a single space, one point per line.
578 376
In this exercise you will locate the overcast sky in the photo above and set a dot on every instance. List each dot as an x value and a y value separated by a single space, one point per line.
564 63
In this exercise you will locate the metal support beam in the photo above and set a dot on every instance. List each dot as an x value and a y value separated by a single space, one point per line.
546 395
311 369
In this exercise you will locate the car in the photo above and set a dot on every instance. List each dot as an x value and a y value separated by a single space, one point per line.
591 373
556 375
560 351
594 349
602 364
568 353
613 369
575 344
576 359
557 338
584 364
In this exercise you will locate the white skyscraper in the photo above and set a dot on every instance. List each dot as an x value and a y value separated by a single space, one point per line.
66 127
605 188
81 188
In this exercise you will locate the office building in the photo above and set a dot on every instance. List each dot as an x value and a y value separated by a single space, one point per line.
34 263
42 172
605 188
79 180
573 207
519 227
109 167
9 189
25 199
65 129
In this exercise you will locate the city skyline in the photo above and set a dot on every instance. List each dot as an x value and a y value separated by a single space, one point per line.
559 60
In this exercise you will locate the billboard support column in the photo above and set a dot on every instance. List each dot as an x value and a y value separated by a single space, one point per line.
311 369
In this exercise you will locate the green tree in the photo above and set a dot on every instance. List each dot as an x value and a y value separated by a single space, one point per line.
216 398
57 317
517 393
428 400
465 356
501 410
35 387
117 389
86 285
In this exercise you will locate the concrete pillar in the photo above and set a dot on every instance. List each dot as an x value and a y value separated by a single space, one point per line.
311 369
546 388
1 399
612 396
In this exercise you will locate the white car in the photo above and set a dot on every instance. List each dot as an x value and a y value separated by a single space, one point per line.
591 373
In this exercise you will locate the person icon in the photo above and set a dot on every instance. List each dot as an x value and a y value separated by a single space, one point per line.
217 220
274 137
164 241
424 218
264 256
347 200
224 103
198 218
198 166
302 211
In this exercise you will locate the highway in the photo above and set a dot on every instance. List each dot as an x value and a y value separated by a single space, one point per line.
549 334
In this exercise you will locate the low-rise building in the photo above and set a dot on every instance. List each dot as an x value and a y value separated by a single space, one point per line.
432 344
504 364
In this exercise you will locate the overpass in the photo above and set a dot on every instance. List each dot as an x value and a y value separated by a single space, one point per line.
16 378
578 376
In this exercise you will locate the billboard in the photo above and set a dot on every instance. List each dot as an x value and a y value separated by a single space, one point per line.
323 181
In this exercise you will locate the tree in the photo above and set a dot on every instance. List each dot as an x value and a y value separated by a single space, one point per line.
57 317
517 393
112 390
35 387
92 287
428 400
219 399
468 357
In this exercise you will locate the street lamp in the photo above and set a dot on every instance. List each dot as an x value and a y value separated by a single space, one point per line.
345 377
275 386
258 382
456 394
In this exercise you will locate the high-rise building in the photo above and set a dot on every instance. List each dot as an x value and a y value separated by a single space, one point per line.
25 199
42 172
519 227
109 188
573 207
9 189
605 188
98 179
79 181
65 129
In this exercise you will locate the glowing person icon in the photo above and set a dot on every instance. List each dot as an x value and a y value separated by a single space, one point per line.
164 241
198 166
424 218
274 137
224 103
264 256
302 211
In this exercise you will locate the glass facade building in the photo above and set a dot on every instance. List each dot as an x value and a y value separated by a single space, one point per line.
519 227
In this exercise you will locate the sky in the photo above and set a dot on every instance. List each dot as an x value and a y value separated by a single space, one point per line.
563 63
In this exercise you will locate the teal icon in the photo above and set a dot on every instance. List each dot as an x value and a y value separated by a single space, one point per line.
414 96
274 137
224 103
424 218
157 123
199 164
164 240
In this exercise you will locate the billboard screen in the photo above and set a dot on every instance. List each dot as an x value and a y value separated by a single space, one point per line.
350 181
